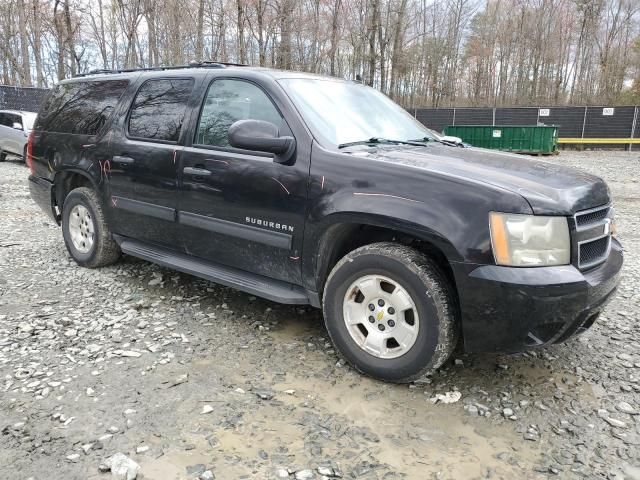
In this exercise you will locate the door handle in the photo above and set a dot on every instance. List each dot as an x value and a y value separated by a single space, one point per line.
124 160
196 172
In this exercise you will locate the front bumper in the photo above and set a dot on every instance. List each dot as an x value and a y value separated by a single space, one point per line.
41 191
506 309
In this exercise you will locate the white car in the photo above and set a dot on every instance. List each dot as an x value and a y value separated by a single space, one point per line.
15 127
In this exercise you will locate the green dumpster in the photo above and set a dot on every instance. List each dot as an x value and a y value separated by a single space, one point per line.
531 139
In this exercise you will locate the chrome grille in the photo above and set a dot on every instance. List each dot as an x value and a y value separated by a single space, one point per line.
593 251
593 234
589 218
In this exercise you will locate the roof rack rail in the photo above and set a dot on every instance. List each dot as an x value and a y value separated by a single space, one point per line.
202 64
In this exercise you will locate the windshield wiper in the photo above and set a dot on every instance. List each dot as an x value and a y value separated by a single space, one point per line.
444 140
425 140
378 141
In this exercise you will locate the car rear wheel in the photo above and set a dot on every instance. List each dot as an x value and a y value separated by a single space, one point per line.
85 231
390 312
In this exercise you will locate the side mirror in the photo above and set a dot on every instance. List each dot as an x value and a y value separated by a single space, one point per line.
17 125
260 136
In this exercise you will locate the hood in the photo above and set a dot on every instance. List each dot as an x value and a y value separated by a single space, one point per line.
550 189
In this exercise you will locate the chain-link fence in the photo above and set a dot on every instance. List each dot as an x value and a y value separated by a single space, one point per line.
21 98
577 125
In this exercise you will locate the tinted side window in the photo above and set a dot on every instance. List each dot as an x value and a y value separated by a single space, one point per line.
8 119
228 101
14 119
80 107
158 109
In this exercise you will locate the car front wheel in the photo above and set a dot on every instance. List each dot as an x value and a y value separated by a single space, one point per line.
390 312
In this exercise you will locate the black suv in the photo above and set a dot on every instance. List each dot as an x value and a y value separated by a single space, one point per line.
312 190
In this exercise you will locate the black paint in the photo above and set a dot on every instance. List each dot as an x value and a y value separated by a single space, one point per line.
285 221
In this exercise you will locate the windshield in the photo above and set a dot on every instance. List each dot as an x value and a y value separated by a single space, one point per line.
340 112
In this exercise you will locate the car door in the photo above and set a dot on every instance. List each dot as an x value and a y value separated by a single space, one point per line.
3 130
13 137
238 207
142 174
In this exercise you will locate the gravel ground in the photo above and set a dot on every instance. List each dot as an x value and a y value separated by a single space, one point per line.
193 380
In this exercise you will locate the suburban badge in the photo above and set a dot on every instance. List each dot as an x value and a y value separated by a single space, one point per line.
269 224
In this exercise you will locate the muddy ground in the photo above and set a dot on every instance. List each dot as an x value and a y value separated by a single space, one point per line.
190 379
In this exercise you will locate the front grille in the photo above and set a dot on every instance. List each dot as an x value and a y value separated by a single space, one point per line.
594 251
591 217
593 236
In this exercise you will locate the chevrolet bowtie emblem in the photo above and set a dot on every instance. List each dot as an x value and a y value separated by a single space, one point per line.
380 315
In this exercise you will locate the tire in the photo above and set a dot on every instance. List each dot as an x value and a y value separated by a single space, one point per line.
378 267
3 155
103 250
24 154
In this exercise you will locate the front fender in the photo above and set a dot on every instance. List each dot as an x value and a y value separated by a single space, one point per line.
449 212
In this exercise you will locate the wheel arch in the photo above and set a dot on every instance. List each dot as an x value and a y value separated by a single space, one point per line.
344 234
68 179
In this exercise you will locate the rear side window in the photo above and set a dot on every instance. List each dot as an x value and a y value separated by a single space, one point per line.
14 119
80 107
8 119
158 110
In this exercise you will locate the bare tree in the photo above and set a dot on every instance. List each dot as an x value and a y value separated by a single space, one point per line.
24 43
420 52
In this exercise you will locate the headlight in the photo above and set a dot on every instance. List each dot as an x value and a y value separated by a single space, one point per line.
529 240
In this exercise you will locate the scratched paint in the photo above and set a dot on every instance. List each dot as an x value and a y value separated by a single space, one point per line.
224 162
280 183
105 169
385 195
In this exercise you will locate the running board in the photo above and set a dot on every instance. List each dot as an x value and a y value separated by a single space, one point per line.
275 290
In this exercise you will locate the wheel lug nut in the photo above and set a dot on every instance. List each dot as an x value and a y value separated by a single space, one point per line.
381 327
372 320
372 307
391 310
381 302
391 323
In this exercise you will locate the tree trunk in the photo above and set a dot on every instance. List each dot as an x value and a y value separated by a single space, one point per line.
150 14
334 36
284 50
102 40
37 44
71 47
396 55
374 16
61 41
24 45
200 31
242 56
